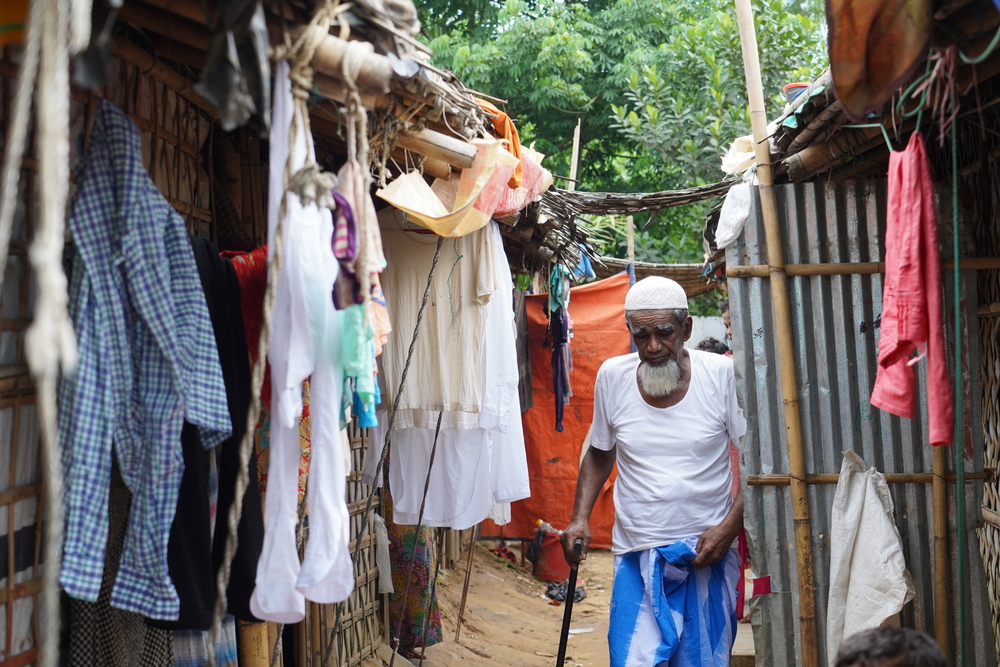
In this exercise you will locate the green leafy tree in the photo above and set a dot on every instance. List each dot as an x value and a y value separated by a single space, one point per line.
656 84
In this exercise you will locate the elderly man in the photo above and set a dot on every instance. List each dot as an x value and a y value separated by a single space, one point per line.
667 415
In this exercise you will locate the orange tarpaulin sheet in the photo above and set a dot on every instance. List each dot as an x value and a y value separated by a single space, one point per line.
12 17
599 333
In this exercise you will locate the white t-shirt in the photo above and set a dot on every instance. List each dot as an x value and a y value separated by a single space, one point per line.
674 477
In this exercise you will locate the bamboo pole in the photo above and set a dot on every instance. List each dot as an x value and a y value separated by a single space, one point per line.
251 644
783 331
575 159
941 573
988 476
630 239
850 268
465 586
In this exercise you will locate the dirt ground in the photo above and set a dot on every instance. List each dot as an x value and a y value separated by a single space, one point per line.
509 621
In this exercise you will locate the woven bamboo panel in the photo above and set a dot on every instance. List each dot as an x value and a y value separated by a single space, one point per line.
20 474
174 135
986 192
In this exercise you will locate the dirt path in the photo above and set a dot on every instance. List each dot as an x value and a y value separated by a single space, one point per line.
509 621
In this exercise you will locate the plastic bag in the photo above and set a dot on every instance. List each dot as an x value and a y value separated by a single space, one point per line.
453 208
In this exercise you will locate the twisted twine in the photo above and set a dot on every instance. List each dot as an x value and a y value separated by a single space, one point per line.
50 342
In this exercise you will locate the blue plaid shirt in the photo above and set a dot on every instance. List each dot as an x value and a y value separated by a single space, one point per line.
148 361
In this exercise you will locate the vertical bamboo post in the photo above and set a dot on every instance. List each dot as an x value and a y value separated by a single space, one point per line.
942 627
783 331
465 586
575 159
630 238
251 643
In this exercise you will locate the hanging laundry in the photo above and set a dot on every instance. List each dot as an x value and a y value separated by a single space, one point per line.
190 647
446 372
98 633
912 318
474 469
869 582
559 326
347 289
148 362
251 272
874 48
525 394
505 129
194 556
305 343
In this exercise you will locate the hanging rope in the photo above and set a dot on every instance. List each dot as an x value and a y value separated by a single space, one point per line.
50 343
311 186
365 519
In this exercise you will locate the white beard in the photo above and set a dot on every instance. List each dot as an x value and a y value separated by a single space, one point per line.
660 381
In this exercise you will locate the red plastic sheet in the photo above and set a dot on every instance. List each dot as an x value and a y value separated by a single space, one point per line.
598 312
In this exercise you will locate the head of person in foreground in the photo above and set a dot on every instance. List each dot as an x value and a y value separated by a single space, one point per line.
890 647
656 311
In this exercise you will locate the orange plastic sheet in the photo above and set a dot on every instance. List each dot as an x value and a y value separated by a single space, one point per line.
599 333
504 125
13 14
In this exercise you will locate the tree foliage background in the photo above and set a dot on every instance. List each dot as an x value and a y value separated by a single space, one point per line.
657 84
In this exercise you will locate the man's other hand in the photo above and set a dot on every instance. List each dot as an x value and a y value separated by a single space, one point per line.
713 545
576 530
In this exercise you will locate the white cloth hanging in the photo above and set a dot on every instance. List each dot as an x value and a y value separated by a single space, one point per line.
305 341
477 471
869 581
446 374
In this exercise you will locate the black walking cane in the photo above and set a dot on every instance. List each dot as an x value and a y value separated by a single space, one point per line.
568 613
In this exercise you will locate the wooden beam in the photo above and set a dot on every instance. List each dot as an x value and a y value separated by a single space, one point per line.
163 22
441 147
988 476
850 268
782 319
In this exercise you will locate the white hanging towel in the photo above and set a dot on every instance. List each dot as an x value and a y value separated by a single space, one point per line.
869 582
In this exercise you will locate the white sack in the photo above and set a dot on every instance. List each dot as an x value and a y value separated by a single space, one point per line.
869 581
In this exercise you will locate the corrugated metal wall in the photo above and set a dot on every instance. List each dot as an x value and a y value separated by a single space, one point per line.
835 322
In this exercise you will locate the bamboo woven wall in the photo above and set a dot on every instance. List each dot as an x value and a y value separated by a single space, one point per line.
986 200
20 478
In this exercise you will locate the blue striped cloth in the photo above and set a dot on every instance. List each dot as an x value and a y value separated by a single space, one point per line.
668 613
191 646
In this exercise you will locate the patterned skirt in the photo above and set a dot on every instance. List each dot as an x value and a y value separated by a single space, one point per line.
409 619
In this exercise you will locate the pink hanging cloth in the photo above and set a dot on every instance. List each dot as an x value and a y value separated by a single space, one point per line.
911 301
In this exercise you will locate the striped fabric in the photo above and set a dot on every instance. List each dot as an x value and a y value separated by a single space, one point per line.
668 613
191 646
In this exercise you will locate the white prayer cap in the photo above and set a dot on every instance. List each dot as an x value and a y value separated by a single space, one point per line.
655 293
